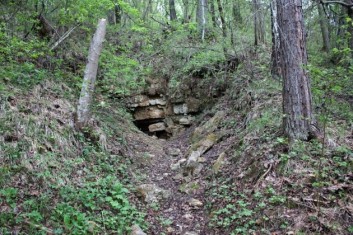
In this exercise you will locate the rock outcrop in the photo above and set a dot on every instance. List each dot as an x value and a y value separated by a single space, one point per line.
158 114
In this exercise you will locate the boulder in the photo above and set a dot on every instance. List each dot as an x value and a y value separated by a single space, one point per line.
174 152
136 230
186 121
180 109
138 101
191 233
195 202
152 112
160 101
193 166
192 163
193 104
160 126
209 127
152 193
218 163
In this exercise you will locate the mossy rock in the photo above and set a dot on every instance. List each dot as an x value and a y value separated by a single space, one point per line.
209 127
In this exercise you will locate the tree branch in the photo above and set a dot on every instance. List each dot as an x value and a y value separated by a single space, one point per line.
338 2
62 38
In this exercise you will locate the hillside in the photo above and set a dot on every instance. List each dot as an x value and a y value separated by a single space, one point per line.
191 128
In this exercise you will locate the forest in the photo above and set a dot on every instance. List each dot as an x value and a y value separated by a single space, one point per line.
179 117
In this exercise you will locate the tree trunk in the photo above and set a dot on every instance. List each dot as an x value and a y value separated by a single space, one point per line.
172 10
84 103
202 18
213 13
324 28
221 14
148 9
275 55
350 29
117 11
186 11
237 20
297 99
259 26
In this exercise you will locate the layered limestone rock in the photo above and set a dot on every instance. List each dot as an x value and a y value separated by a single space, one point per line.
155 113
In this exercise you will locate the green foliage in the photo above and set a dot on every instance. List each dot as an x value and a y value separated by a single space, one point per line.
103 203
120 75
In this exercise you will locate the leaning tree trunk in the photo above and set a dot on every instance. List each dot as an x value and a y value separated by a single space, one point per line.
275 55
84 103
221 15
297 99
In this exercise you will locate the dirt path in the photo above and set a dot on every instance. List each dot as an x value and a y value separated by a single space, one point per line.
181 211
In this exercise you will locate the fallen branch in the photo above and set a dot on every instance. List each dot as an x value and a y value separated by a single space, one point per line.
263 176
63 37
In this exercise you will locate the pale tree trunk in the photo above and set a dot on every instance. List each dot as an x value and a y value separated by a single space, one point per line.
259 25
221 15
275 55
297 100
201 17
172 10
84 103
324 28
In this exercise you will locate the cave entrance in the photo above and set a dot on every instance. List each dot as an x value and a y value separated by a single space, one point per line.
153 127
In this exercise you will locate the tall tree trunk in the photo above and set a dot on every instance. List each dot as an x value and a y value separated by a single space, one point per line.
297 99
237 13
213 13
202 17
324 28
350 28
275 55
117 9
221 14
186 11
84 103
172 10
259 26
148 9
237 20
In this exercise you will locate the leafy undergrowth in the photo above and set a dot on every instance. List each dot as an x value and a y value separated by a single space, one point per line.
55 180
270 186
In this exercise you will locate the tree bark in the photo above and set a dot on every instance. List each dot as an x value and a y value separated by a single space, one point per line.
213 13
221 14
202 18
350 27
186 11
275 54
297 100
324 28
237 20
259 26
84 103
172 10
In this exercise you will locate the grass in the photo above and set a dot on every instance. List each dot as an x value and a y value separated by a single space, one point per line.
56 180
